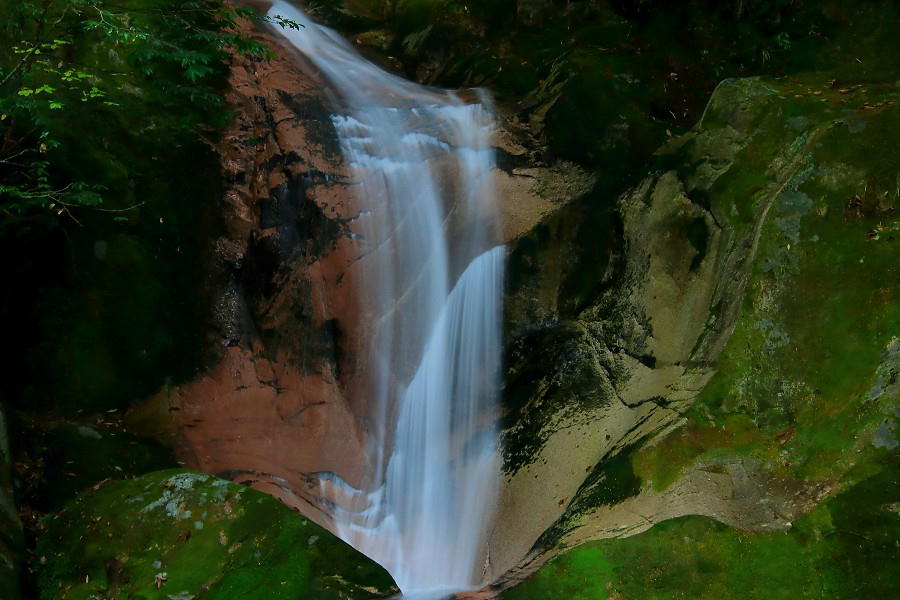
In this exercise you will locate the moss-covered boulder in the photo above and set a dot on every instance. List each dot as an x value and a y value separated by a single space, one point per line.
845 548
178 535
809 375
739 357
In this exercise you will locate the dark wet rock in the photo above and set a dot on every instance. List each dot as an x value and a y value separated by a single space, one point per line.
76 457
285 396
11 534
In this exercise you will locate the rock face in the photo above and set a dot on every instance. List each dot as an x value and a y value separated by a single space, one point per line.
180 534
664 355
278 343
285 397
704 377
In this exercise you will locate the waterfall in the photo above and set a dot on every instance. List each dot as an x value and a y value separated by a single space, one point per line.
422 161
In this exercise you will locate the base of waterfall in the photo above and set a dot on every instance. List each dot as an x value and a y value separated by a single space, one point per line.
427 523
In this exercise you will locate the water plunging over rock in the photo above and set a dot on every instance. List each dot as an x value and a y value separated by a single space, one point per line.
422 163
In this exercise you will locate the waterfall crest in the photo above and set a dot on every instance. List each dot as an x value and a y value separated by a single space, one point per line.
423 162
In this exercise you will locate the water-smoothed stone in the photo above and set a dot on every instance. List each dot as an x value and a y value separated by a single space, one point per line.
289 322
285 322
734 370
844 548
616 319
182 534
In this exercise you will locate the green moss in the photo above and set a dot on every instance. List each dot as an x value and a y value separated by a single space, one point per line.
809 381
661 464
612 481
182 534
820 308
585 573
844 549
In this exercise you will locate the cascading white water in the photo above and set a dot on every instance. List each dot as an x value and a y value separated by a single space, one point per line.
423 160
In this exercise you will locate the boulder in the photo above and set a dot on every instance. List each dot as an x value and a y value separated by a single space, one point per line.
181 534
732 356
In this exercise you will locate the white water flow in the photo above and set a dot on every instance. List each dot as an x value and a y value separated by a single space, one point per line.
423 161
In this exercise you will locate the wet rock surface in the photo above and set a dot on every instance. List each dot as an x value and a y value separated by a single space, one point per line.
618 318
284 319
285 397
707 379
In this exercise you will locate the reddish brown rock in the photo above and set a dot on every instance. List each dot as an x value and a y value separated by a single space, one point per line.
271 409
285 395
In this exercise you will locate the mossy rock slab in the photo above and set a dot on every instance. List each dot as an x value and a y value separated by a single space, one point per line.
809 375
182 535
844 549
801 183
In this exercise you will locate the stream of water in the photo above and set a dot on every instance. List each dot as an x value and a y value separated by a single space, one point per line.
423 160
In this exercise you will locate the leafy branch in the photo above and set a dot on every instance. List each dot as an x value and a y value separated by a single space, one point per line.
154 67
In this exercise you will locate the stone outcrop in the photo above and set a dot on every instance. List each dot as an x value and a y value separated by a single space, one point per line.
181 534
743 205
284 397
270 410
